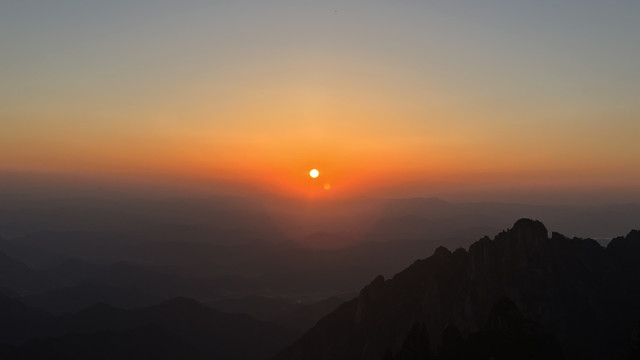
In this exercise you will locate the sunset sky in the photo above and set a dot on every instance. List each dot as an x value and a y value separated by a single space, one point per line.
377 95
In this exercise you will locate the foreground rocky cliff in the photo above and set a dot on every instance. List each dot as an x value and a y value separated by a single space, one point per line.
520 295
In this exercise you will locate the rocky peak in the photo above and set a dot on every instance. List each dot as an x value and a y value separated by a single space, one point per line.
442 252
375 289
519 295
525 232
531 227
631 241
525 238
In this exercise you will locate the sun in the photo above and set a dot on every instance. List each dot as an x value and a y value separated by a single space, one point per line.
314 173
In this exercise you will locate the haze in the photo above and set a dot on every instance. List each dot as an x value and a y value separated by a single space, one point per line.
469 101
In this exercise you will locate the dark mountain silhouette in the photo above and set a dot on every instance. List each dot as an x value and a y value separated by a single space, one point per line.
521 295
201 270
323 240
145 342
130 218
18 322
218 247
185 328
156 283
303 318
21 279
34 257
425 218
75 298
294 315
259 307
209 270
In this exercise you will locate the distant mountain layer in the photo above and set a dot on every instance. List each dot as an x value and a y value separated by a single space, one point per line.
18 278
520 295
176 329
211 248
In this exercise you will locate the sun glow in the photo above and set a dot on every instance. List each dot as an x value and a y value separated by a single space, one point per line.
314 173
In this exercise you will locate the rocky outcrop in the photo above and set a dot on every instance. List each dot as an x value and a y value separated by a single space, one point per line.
547 297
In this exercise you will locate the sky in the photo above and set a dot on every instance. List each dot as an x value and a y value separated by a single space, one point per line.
397 98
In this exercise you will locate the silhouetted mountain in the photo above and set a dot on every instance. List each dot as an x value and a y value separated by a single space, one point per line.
34 257
431 218
327 241
304 317
76 298
74 271
133 219
187 329
155 282
521 295
206 271
259 307
19 278
625 249
145 342
19 322
234 247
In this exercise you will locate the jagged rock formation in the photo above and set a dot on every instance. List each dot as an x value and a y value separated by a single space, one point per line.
521 295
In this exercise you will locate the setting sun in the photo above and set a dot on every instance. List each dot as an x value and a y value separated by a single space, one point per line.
314 173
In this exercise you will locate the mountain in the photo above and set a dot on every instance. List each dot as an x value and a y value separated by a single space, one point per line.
432 218
520 295
34 257
210 248
304 317
19 278
18 322
210 332
154 282
145 342
131 218
259 307
75 298
177 328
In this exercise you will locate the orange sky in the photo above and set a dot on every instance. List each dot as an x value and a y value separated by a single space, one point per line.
439 96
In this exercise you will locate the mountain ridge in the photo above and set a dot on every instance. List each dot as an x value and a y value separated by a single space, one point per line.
565 287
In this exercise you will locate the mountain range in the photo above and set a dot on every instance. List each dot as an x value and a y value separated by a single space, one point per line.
521 295
176 328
